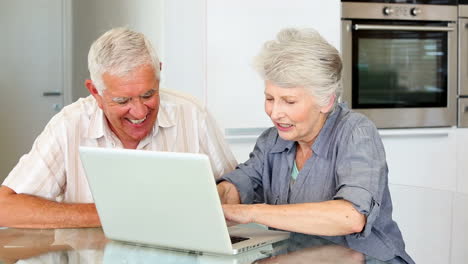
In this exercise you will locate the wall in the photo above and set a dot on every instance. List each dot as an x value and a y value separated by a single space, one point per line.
91 18
33 61
184 55
83 34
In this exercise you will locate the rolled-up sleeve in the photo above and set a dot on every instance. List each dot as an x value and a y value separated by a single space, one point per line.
247 177
362 173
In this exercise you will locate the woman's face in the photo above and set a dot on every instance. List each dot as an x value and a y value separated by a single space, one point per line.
294 112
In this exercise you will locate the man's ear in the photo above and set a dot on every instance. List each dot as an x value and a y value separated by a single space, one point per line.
325 109
94 92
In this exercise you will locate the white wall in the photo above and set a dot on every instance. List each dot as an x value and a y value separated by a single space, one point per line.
91 18
184 55
33 61
83 34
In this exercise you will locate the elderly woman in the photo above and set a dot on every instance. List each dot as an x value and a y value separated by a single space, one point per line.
321 169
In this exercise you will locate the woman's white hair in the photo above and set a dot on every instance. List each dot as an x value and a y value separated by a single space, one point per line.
118 52
302 58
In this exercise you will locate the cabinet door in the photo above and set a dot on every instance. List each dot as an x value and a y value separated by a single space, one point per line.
460 229
460 205
462 161
425 218
421 157
236 30
183 47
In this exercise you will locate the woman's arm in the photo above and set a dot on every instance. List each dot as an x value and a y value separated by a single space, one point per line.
329 218
228 193
246 179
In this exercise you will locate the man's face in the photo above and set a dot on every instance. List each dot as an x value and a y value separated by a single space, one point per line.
131 104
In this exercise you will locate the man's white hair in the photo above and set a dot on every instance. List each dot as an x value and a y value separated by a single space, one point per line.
118 52
302 58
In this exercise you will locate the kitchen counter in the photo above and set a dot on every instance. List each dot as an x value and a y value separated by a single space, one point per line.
89 245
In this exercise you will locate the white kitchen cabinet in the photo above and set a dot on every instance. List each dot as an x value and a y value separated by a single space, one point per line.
462 161
460 229
424 217
421 157
460 205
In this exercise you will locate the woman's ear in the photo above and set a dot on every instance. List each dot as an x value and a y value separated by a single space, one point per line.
326 109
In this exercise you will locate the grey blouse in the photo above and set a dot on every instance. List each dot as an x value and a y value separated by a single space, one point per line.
348 162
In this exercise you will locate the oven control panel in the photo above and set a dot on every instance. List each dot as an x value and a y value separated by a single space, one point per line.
353 10
401 11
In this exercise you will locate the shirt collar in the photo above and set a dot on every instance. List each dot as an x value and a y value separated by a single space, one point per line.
164 120
97 124
282 145
322 143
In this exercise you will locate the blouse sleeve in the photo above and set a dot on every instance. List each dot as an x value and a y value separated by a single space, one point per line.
362 172
247 177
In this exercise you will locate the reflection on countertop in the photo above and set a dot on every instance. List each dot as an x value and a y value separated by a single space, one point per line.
89 245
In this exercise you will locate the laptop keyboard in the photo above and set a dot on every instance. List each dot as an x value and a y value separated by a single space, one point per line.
236 239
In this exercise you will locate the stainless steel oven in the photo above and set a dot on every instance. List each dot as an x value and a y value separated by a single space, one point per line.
463 63
400 61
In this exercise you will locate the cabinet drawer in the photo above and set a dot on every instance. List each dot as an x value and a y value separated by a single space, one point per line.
422 157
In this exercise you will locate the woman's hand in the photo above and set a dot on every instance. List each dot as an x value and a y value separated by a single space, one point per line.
238 213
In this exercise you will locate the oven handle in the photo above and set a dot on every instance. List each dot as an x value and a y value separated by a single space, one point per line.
405 28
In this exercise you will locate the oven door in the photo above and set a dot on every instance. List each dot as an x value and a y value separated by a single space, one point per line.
401 74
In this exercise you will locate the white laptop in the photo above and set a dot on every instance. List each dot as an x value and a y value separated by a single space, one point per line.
117 252
164 199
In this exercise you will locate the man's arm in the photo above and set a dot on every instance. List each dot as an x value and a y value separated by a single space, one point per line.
214 145
27 211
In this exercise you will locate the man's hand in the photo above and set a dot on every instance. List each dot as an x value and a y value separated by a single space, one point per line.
228 193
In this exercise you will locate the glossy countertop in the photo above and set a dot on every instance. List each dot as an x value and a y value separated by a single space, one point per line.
89 245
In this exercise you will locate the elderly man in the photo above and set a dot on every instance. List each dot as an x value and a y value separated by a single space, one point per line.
126 109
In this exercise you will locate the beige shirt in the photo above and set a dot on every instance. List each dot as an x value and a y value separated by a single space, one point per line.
53 170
